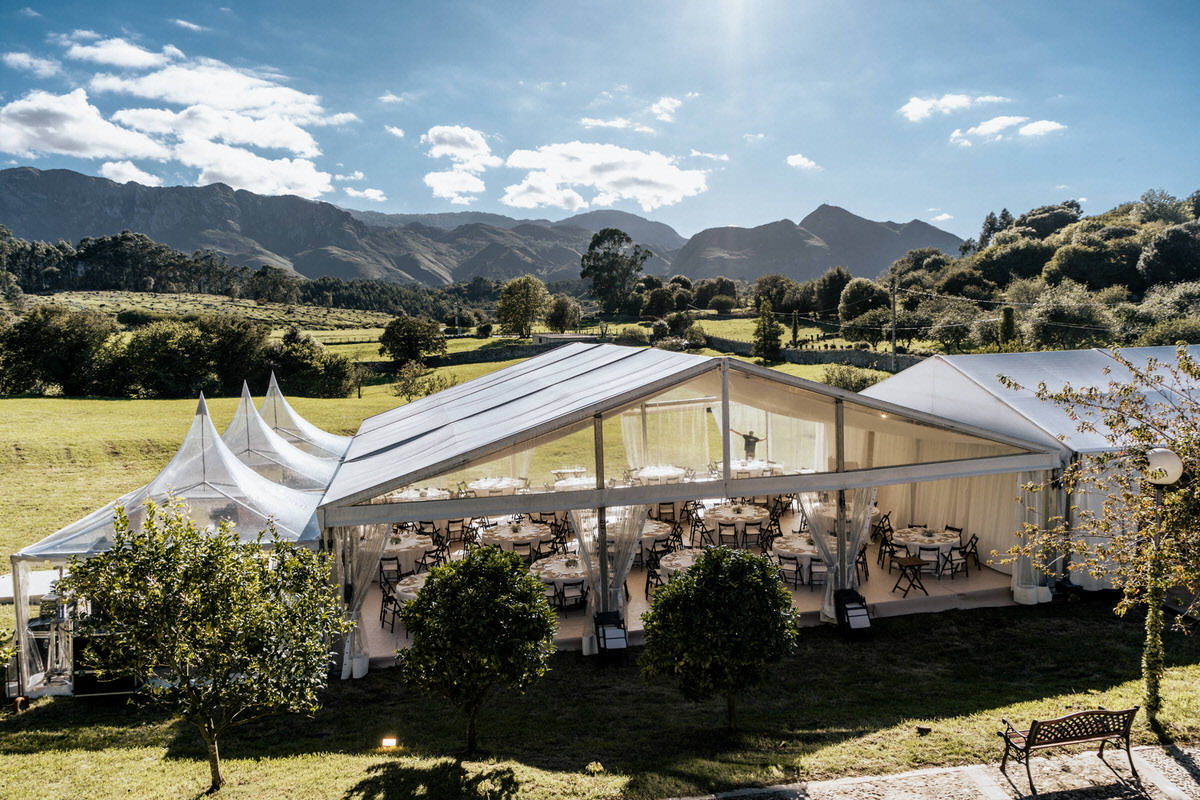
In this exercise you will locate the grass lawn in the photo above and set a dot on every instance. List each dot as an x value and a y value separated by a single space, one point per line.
833 709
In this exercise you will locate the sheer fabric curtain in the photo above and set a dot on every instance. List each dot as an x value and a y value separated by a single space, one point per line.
821 508
1028 583
29 658
623 530
362 546
674 435
794 443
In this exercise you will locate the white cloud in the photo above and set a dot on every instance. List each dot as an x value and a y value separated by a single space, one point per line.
454 185
69 125
394 131
120 53
357 175
665 108
919 108
342 118
959 138
713 156
389 97
1083 199
374 195
464 146
242 169
754 138
41 67
994 128
943 217
191 26
28 12
620 123
1041 128
800 161
650 179
214 83
126 171
205 122
1061 186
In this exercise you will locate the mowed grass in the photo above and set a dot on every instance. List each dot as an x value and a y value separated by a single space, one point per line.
591 730
277 315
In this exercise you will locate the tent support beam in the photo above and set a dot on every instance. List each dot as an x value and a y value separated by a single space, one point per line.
601 511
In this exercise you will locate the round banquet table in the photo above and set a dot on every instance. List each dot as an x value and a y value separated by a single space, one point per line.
677 562
555 569
566 473
504 537
652 530
798 545
406 589
408 549
659 473
726 514
413 494
914 538
492 486
575 484
741 468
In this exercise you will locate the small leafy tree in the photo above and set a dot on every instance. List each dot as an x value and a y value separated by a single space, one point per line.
721 303
478 623
795 328
564 314
218 632
768 334
859 296
852 379
414 379
522 303
717 627
412 339
612 264
1146 550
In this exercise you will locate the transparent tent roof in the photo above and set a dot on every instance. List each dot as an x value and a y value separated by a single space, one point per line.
266 452
216 486
283 419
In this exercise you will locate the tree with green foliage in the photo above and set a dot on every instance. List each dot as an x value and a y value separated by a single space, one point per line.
829 289
1045 220
966 281
1171 331
412 339
523 302
768 334
414 379
563 314
1172 256
53 346
721 303
952 327
795 327
1008 325
717 628
774 287
170 359
1145 548
1092 265
478 623
1156 205
872 326
1024 258
612 264
709 288
852 379
859 296
304 368
217 632
1067 316
658 302
991 226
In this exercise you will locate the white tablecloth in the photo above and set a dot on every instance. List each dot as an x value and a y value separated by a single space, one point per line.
408 548
651 531
414 494
726 514
915 538
491 486
741 468
407 589
566 473
799 545
576 484
679 561
555 570
659 473
504 537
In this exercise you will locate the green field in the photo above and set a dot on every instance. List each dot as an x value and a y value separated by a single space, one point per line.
591 730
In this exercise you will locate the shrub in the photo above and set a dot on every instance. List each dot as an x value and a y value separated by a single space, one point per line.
844 376
633 335
696 338
679 322
1172 331
660 329
414 380
673 343
483 330
721 303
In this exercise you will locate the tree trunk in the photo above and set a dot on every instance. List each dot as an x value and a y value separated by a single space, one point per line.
214 760
1152 650
471 732
732 711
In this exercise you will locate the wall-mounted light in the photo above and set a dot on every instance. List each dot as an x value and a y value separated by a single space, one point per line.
388 742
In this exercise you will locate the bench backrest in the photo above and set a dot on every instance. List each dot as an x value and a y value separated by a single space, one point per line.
1081 726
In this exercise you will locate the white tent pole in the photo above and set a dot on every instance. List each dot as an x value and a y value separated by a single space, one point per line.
725 422
645 440
840 434
21 604
601 526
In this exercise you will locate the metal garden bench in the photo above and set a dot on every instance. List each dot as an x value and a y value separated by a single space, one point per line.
1101 726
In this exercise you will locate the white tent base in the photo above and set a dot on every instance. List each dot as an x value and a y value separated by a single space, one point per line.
985 588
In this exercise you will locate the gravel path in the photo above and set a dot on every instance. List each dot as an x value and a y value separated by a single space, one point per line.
1166 774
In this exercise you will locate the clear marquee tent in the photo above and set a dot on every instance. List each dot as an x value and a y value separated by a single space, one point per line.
598 426
968 389
295 429
259 447
215 485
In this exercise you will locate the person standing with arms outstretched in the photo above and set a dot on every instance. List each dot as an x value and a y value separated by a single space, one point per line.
751 441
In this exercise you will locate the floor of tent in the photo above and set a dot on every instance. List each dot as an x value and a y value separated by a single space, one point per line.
983 588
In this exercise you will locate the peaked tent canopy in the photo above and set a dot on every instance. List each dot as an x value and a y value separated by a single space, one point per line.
270 455
295 429
215 485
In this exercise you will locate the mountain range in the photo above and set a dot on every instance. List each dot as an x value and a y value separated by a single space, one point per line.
314 238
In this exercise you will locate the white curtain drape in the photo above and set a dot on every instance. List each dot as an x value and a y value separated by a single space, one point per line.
674 433
1088 502
1029 583
838 549
795 444
821 510
30 663
361 548
623 530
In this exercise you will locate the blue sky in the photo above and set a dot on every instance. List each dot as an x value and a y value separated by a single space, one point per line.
697 114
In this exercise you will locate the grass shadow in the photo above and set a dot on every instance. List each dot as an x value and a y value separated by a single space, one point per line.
447 779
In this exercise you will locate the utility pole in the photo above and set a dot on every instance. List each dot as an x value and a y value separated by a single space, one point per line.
893 325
